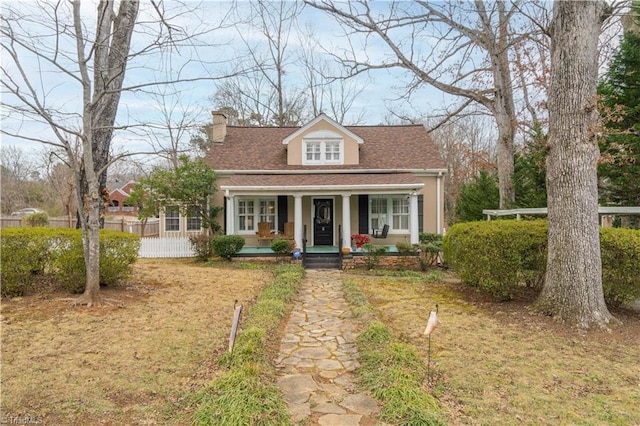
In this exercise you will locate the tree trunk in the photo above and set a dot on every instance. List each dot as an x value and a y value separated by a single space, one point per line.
112 45
503 107
573 287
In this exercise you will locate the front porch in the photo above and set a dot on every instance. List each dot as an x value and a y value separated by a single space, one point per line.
253 251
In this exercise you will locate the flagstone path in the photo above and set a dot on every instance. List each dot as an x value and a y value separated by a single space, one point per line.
318 357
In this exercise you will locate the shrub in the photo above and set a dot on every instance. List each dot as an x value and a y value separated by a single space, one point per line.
36 220
68 262
499 255
406 248
202 245
118 251
25 252
373 253
227 246
282 247
620 249
31 251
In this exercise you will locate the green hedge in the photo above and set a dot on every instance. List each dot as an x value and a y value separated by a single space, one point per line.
498 256
27 252
620 249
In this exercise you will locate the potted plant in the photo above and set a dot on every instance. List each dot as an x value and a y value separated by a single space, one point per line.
359 240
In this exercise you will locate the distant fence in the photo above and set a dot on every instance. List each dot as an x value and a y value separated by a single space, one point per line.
134 226
165 247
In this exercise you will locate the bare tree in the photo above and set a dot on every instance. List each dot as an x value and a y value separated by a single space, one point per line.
468 147
56 40
572 290
328 91
460 48
170 138
263 97
17 173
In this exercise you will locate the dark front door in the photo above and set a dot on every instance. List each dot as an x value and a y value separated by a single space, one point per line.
323 222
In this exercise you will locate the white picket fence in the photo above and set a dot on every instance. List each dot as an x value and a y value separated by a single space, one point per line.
165 247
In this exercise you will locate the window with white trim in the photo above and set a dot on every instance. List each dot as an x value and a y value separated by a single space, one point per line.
250 211
172 218
323 151
194 219
268 212
245 215
392 210
378 213
400 213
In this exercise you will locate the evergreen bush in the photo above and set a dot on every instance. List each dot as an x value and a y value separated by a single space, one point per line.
27 252
620 250
227 246
498 256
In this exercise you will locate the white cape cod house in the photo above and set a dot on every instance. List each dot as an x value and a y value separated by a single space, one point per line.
323 177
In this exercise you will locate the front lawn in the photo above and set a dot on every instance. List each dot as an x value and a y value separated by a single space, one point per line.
500 363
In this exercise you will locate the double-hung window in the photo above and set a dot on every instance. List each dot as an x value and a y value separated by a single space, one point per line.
172 218
400 213
392 210
268 212
378 214
250 211
245 215
194 219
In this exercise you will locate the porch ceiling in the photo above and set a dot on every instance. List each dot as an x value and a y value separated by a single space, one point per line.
335 181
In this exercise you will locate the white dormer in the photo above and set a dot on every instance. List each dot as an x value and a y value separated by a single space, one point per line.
322 141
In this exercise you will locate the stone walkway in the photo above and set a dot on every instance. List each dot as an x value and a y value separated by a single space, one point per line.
318 356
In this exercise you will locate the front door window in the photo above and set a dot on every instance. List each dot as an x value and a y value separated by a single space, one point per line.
323 222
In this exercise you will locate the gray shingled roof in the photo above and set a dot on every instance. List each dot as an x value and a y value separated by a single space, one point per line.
385 147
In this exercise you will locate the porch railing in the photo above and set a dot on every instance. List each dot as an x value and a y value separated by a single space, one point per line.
304 246
340 246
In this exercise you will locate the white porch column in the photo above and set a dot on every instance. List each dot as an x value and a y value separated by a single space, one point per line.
438 206
230 215
346 220
413 218
297 218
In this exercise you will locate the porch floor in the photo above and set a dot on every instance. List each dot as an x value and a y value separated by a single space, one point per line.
264 250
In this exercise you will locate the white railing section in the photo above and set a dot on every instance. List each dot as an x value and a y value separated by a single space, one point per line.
165 247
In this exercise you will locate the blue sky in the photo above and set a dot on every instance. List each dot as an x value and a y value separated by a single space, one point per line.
219 49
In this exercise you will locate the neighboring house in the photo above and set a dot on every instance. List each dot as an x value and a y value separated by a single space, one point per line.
117 199
323 176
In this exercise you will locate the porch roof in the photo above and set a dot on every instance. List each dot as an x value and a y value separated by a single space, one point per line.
331 181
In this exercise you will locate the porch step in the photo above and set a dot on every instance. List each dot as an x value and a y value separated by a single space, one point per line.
322 261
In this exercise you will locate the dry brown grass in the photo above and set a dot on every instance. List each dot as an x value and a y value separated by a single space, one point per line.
131 362
499 363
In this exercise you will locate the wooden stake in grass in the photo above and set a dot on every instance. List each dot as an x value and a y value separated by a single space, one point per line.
234 327
432 323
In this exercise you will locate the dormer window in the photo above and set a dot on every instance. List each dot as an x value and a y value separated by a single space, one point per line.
323 151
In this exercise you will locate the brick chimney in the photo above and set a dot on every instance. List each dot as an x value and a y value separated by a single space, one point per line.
219 129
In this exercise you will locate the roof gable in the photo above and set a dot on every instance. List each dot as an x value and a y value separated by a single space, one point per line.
318 119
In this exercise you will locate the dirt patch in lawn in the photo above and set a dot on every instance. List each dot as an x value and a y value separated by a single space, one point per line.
129 362
501 363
